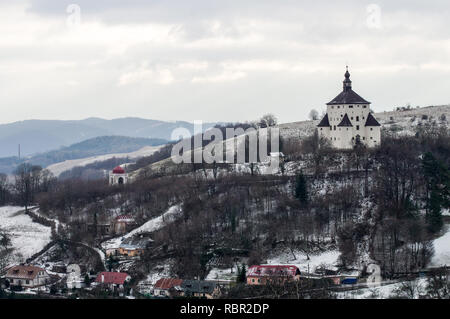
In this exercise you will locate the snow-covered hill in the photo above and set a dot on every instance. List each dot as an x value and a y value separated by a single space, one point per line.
27 237
58 168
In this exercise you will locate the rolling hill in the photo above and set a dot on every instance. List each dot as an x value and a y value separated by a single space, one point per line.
93 147
38 136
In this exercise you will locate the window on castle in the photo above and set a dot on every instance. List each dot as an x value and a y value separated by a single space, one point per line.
350 106
371 128
357 119
357 127
365 106
335 127
371 138
351 118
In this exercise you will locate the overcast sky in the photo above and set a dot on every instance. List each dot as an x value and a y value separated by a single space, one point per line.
217 60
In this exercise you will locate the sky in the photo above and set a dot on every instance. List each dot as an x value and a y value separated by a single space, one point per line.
213 60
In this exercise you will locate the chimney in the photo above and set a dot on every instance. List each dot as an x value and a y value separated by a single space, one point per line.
103 278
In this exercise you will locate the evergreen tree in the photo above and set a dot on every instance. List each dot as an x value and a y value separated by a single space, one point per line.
301 189
437 179
242 274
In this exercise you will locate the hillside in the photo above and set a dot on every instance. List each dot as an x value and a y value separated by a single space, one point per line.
402 122
37 136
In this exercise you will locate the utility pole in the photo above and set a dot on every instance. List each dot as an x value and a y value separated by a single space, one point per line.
19 151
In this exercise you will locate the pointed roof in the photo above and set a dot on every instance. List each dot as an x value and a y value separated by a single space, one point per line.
345 122
348 96
372 121
325 122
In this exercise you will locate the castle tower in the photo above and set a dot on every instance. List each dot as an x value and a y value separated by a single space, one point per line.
348 120
118 176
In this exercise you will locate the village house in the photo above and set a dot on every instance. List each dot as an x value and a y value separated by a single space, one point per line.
74 278
349 120
261 275
123 224
200 289
133 247
167 287
113 280
27 276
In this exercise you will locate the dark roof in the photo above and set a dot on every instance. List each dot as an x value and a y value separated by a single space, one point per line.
348 97
325 122
345 122
195 286
371 121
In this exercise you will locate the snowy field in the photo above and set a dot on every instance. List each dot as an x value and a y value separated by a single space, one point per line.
442 250
150 226
27 238
327 259
385 291
222 274
58 168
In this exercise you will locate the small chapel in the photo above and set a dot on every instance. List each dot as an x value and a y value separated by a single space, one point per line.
349 121
118 176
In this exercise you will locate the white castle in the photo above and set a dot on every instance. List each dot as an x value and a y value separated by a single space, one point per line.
349 121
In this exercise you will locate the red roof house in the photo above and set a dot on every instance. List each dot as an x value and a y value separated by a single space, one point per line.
163 286
259 275
112 278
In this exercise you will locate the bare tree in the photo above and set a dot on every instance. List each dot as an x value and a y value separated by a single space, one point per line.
268 120
314 115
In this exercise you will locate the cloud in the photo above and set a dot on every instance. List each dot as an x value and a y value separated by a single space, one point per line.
217 60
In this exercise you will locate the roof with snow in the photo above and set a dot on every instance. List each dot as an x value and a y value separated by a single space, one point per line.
116 278
125 219
198 286
372 121
273 271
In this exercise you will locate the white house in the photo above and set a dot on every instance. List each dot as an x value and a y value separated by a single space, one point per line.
349 121
27 276
118 176
74 279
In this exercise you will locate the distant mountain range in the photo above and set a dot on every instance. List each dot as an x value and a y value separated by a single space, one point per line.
91 147
37 136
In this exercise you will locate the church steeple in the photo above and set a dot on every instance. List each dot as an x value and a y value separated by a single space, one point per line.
347 81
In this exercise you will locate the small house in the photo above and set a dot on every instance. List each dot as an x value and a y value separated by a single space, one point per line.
27 276
263 274
166 287
133 247
123 224
200 289
113 280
